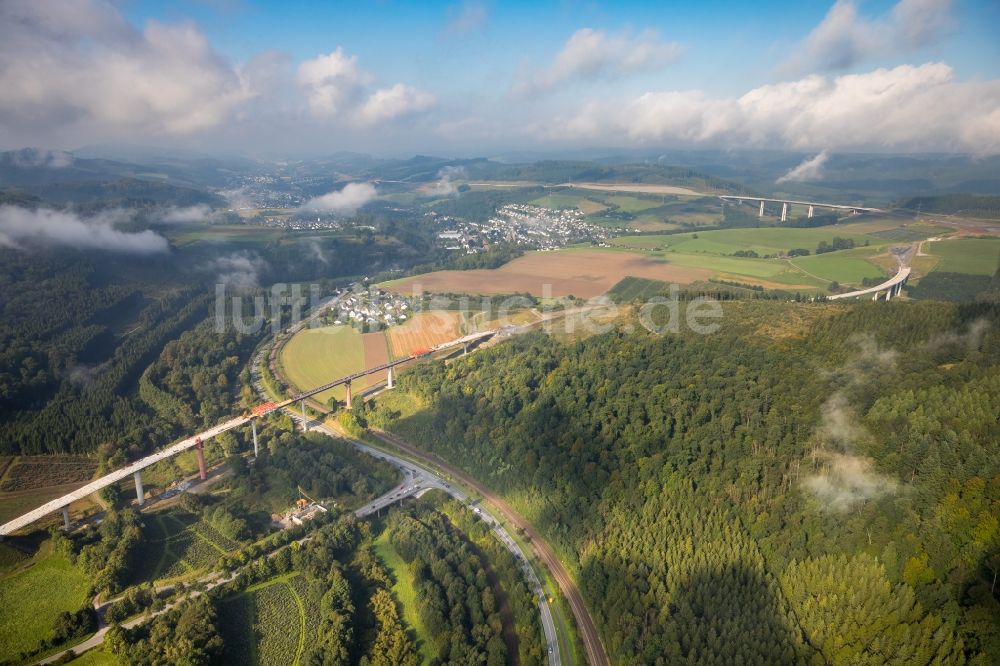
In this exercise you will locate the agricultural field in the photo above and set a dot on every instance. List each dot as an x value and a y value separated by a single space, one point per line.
315 356
653 223
34 472
974 256
424 330
581 202
915 231
376 352
681 258
630 204
241 233
642 188
633 288
580 272
846 266
39 589
27 482
177 543
763 241
266 623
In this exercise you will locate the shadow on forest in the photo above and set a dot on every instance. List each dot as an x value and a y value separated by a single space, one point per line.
724 613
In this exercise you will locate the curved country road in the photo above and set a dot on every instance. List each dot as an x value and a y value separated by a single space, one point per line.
588 632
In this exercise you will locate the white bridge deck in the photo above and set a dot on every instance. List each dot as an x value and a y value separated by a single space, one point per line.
904 272
117 475
172 450
792 202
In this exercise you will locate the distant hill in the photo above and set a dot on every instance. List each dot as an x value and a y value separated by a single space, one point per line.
948 204
59 178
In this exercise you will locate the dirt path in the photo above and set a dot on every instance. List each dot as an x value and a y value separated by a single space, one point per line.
588 631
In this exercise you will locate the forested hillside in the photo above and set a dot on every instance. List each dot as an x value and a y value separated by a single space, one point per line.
813 483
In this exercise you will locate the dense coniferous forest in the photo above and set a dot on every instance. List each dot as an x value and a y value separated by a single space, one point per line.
710 491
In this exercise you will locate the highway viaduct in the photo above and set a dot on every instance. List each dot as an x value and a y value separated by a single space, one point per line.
890 288
811 205
61 504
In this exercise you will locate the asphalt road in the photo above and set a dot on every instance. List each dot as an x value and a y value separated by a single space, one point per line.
588 632
417 480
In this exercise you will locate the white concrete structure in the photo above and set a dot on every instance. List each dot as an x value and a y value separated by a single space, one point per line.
792 202
894 284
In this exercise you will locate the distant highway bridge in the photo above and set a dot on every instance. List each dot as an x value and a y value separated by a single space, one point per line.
811 205
197 441
891 287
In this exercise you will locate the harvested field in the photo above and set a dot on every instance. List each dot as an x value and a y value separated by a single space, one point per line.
32 472
315 356
581 273
376 351
424 330
639 187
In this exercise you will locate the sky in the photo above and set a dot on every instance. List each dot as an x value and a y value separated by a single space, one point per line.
290 79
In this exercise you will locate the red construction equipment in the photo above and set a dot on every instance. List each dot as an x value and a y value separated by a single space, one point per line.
264 408
199 449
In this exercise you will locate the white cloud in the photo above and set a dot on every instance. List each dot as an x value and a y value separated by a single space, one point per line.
240 271
79 63
596 54
395 102
810 169
445 185
38 157
465 18
21 228
332 81
347 200
188 214
906 107
845 38
335 86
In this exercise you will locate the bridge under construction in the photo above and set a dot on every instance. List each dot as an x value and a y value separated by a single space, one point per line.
197 441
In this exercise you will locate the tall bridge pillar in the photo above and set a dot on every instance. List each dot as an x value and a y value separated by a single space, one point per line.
810 213
349 401
140 495
761 213
199 449
253 429
65 512
305 419
391 379
784 212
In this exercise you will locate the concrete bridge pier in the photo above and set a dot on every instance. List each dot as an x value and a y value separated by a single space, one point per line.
761 213
784 212
253 429
349 402
199 449
140 495
305 419
65 512
810 213
391 379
